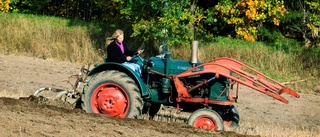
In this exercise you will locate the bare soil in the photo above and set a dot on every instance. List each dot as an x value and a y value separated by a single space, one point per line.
22 114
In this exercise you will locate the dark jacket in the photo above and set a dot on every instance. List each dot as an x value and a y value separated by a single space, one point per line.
114 53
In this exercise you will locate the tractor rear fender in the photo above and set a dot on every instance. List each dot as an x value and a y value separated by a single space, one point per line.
121 68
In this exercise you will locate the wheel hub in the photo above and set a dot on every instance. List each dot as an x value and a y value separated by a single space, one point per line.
110 100
205 123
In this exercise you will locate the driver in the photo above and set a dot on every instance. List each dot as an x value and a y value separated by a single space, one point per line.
118 52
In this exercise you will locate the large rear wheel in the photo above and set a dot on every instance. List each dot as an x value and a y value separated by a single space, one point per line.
206 119
113 93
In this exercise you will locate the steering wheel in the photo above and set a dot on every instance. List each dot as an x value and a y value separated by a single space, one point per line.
136 57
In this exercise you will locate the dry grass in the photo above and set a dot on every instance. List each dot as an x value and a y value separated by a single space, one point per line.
45 37
253 54
265 129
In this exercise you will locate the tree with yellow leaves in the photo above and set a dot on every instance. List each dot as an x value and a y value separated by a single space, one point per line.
248 15
4 5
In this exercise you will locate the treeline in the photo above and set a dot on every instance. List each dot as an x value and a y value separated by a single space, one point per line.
174 22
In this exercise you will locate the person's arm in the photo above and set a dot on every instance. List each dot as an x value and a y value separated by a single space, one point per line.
127 51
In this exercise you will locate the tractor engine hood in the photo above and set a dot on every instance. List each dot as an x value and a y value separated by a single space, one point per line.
174 67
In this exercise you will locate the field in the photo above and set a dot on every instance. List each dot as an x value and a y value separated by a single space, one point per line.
24 115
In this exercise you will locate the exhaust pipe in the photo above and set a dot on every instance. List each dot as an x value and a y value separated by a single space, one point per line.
194 52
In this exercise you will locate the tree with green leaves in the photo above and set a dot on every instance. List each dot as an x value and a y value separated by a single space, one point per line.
302 21
171 20
313 23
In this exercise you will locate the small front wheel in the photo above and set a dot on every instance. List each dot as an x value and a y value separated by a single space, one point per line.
206 119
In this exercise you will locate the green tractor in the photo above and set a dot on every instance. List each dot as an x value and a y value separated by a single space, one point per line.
206 90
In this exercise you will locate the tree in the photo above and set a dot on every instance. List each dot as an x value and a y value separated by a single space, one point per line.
171 20
247 16
313 23
302 23
4 5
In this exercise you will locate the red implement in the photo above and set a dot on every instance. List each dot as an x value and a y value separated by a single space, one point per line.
238 73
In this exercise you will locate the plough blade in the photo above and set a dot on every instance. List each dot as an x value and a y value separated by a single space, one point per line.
60 92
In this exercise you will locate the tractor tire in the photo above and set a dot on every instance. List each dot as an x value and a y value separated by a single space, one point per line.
231 118
113 93
206 119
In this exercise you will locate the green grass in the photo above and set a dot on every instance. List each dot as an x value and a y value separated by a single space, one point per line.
84 43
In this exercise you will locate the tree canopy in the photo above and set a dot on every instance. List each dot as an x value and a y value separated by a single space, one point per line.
175 21
4 5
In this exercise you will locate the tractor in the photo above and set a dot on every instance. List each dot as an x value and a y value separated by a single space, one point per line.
207 90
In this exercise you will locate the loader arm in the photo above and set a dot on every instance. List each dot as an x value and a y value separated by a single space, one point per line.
257 80
238 72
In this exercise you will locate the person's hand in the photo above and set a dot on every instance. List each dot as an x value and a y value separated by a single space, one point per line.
140 51
128 58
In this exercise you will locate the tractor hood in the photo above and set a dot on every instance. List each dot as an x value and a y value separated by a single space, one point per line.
169 66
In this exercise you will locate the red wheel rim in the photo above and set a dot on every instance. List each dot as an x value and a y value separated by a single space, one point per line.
111 99
205 123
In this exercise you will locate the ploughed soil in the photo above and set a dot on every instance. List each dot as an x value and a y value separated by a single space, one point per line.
22 114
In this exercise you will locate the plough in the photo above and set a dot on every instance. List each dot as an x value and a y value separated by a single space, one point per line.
74 92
